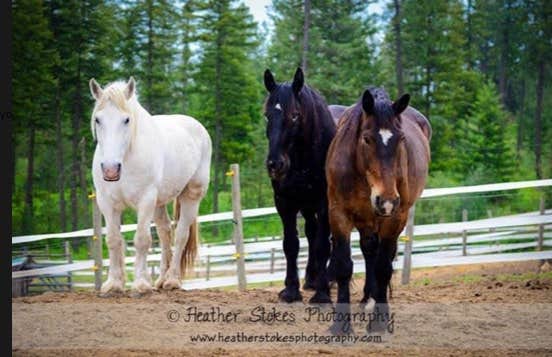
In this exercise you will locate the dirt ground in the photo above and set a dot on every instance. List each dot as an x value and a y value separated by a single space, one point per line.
489 309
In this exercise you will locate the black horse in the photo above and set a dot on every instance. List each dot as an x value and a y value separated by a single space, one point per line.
299 130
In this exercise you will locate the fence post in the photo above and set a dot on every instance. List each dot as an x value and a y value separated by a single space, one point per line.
238 225
97 244
464 233
490 215
67 247
208 268
272 257
407 257
541 226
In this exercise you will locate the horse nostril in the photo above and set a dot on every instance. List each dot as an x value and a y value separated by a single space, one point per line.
378 201
118 167
102 165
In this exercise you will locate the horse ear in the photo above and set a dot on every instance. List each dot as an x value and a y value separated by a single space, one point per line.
130 88
95 89
400 105
298 81
269 82
368 102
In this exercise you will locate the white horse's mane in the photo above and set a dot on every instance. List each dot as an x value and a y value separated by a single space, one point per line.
115 92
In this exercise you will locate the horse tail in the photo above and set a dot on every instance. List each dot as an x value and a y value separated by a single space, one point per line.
190 250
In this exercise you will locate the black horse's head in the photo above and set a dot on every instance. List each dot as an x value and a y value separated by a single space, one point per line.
284 115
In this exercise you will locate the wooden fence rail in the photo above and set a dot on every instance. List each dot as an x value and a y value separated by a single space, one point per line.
268 251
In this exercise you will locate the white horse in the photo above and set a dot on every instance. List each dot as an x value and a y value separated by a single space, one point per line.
145 162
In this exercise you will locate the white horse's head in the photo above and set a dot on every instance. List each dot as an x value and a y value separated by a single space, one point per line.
113 124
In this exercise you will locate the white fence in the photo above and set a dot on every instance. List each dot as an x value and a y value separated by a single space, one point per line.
485 241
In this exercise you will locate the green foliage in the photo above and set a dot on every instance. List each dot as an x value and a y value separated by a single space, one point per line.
341 51
228 100
148 49
473 71
486 148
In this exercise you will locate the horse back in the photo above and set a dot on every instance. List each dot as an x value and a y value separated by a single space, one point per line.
414 115
417 133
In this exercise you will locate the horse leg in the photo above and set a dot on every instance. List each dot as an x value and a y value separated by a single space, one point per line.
383 272
115 282
189 206
341 230
369 246
163 227
310 232
291 249
322 253
142 243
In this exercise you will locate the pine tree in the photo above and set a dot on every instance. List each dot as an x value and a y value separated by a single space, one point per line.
226 84
340 55
149 51
488 145
32 83
286 46
84 38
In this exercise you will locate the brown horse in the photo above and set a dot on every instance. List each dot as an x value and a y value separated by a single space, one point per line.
376 169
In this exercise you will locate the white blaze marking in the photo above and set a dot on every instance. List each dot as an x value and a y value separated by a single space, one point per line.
277 106
385 135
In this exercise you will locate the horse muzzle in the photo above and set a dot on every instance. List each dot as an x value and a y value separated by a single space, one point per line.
276 169
112 171
386 207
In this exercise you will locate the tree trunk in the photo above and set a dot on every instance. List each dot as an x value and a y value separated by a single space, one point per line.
218 124
83 187
75 166
469 46
60 163
149 68
538 117
503 61
398 48
306 28
521 113
27 226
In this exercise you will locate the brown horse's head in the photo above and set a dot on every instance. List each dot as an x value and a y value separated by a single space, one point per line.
381 153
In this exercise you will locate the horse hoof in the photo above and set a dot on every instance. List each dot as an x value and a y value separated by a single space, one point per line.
341 328
290 295
172 284
320 298
141 286
158 285
111 288
382 317
376 326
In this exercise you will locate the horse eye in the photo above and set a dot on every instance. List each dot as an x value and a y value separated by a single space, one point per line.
97 121
127 120
367 139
